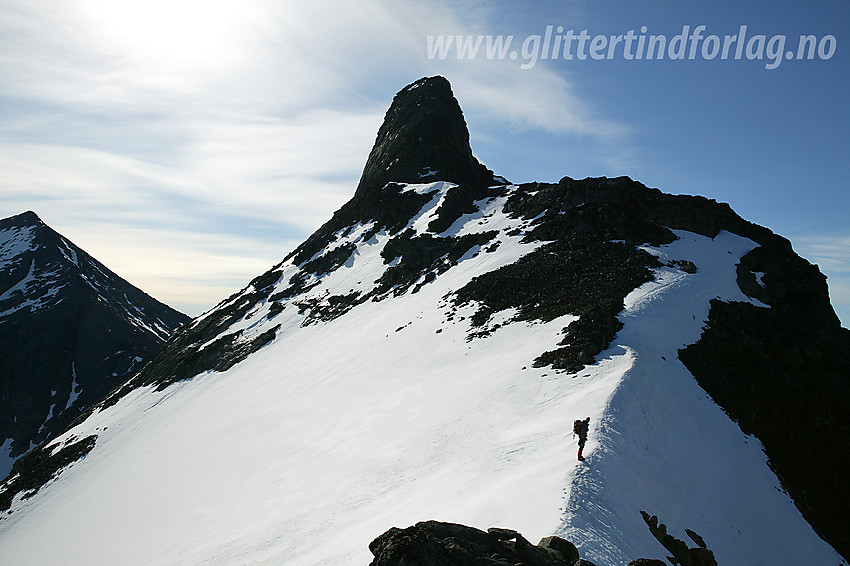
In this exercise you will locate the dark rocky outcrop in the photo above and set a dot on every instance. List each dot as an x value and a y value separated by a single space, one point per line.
683 555
190 352
72 331
36 468
423 256
423 138
432 543
590 263
575 275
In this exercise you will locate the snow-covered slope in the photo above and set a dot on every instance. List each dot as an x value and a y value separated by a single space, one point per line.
338 430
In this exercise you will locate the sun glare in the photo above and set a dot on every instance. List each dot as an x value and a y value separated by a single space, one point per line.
182 33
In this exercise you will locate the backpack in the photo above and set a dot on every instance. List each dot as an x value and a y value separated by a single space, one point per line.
577 425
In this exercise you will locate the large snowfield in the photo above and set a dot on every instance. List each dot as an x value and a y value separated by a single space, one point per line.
389 415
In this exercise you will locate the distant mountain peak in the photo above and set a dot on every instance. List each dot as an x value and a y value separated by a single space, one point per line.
424 138
72 331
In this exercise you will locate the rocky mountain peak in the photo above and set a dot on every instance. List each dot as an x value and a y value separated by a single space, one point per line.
17 231
423 138
72 331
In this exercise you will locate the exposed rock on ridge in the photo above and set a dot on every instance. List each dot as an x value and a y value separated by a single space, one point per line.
683 555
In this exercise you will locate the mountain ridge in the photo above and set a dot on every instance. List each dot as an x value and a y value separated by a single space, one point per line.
558 279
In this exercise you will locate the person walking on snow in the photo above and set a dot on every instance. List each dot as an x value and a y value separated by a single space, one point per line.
580 428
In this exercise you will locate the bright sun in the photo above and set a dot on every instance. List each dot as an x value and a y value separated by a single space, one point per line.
181 33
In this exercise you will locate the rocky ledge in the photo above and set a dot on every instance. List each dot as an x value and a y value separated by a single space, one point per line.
432 543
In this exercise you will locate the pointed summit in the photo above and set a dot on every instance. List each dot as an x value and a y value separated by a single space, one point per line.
28 218
423 138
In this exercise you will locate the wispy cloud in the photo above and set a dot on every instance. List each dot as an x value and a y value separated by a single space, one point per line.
183 124
832 254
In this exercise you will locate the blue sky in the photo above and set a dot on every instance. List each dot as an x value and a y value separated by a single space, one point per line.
191 144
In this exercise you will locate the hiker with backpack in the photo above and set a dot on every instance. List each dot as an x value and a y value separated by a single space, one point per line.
580 427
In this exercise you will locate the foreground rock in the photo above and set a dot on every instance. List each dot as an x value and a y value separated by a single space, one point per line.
431 543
